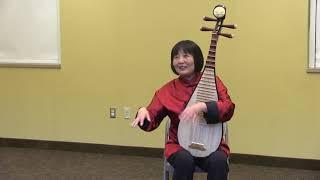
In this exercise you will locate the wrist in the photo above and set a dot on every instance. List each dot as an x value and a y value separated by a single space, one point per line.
141 109
201 107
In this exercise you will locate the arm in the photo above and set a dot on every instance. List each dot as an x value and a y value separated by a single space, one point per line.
149 118
221 110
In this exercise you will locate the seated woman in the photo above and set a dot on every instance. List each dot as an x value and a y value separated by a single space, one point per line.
171 99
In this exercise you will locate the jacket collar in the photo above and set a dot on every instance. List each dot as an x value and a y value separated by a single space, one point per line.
190 82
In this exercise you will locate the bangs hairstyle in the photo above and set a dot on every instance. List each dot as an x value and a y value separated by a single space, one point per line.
189 47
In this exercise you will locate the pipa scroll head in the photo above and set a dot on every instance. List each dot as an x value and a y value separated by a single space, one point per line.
219 11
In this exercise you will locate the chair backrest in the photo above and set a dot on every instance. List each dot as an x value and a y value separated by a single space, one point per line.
166 134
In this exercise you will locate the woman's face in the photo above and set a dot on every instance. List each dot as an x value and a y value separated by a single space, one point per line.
183 63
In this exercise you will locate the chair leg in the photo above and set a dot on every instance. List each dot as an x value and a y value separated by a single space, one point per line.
166 175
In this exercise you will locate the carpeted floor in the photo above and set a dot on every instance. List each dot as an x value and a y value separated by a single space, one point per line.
39 164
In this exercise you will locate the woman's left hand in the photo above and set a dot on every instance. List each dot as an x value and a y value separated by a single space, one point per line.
191 112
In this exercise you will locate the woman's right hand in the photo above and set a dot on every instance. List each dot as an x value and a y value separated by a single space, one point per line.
143 114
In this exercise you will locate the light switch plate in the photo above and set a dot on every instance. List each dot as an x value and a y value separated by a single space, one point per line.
113 112
127 112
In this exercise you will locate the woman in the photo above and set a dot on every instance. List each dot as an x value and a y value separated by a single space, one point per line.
171 99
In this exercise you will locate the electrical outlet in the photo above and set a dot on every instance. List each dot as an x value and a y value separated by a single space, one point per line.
126 112
113 112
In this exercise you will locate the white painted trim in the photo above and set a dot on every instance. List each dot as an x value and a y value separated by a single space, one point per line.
58 61
29 63
313 70
312 30
314 33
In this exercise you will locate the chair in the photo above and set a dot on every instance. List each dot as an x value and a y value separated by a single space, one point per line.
167 168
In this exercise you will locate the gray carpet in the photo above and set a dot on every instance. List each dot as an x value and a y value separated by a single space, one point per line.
39 164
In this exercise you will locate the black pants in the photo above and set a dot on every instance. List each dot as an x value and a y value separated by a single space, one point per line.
216 165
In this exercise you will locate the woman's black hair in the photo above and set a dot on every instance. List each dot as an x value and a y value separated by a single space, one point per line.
192 48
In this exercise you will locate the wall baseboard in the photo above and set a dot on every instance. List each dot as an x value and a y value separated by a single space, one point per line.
81 147
235 158
272 161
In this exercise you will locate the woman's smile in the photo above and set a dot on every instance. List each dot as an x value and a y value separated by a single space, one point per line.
183 63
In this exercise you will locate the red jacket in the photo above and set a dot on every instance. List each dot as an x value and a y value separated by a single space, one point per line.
171 99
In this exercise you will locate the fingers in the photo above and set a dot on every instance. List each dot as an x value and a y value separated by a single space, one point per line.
188 114
185 114
138 120
141 122
142 115
135 123
148 117
145 116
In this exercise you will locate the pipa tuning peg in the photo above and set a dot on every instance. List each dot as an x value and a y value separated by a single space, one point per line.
209 18
206 29
226 35
231 26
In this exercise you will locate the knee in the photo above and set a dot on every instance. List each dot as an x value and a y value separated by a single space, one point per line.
182 160
218 161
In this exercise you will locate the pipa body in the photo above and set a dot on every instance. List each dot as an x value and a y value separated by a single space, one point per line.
195 135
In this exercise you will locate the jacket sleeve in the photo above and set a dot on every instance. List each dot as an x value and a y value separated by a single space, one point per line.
157 113
221 110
